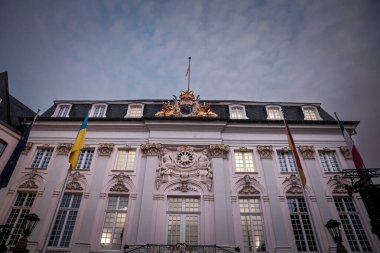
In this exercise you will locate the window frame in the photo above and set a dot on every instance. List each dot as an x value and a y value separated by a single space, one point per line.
4 146
244 162
277 107
127 160
57 109
183 214
129 110
287 162
112 246
314 108
83 160
93 108
43 158
330 168
242 108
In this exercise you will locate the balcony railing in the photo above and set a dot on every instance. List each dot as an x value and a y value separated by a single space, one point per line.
179 248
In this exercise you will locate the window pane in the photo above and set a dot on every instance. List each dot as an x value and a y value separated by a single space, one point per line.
329 161
42 158
85 159
237 112
310 114
274 113
244 161
286 160
125 160
135 111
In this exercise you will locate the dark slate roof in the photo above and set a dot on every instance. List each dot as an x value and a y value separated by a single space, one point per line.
256 112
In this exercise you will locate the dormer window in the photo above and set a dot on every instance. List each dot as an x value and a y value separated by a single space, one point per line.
62 111
98 111
274 112
237 112
310 113
135 111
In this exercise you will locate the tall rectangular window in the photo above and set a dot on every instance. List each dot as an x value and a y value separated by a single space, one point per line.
63 111
183 220
99 111
252 225
20 208
286 159
329 161
125 159
65 221
114 222
42 158
302 228
85 159
352 226
244 161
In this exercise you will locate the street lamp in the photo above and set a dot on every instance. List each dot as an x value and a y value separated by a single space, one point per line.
29 223
334 229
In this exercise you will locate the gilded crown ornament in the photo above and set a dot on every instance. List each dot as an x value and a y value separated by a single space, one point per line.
187 106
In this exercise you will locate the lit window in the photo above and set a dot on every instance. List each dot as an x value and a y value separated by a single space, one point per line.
274 113
329 161
125 159
20 208
286 160
252 225
237 112
3 145
42 158
114 222
62 111
135 111
244 161
98 111
310 113
65 222
183 220
85 159
302 228
352 226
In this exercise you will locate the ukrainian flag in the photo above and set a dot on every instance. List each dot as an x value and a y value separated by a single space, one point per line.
78 144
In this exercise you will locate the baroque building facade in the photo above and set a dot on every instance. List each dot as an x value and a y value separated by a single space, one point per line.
186 171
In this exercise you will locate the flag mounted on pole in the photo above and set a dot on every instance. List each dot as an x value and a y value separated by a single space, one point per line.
188 75
292 146
6 174
356 157
78 144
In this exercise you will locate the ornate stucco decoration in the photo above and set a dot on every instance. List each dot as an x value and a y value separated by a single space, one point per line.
219 150
265 152
119 186
285 149
294 183
184 163
307 152
340 186
64 148
151 149
30 182
105 149
27 148
74 184
187 106
242 149
345 152
248 187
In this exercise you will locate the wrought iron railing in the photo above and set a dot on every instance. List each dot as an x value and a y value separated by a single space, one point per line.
179 248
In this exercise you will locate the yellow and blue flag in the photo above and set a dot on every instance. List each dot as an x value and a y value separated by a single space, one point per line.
78 144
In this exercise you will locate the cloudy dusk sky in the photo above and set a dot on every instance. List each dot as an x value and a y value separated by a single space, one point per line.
270 51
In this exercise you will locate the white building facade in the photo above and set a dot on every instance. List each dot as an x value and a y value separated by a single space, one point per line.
185 171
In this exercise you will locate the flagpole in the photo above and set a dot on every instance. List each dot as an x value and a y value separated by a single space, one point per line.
309 212
51 225
188 79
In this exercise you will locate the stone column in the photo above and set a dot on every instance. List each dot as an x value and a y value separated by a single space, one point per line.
282 241
318 185
224 232
145 194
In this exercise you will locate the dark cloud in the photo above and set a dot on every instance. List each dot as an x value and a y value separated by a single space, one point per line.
306 51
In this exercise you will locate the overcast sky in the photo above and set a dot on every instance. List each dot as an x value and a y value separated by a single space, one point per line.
301 51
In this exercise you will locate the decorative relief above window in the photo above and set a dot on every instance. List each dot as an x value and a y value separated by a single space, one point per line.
187 106
293 184
307 152
27 148
105 149
64 148
345 152
265 152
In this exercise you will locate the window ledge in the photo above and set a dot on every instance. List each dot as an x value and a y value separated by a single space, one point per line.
332 172
246 172
35 168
